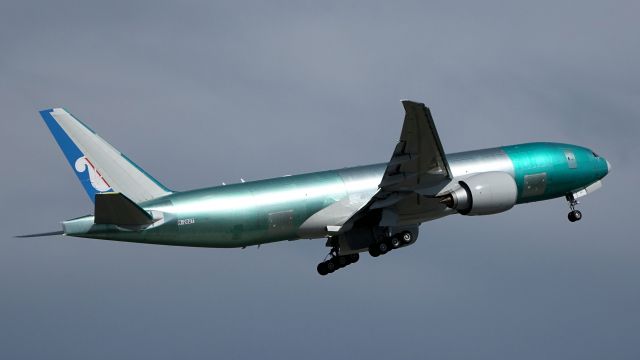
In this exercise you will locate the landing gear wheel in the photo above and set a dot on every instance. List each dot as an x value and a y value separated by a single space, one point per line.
383 248
341 261
373 251
331 266
406 237
322 268
394 242
578 215
334 260
575 215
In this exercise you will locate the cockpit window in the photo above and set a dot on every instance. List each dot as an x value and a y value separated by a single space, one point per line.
596 155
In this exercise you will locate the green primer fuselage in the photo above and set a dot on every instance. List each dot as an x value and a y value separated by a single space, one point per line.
271 210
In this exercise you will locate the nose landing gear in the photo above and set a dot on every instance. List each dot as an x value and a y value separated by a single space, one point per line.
574 215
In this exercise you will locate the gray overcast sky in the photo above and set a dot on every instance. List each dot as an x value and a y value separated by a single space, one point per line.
201 92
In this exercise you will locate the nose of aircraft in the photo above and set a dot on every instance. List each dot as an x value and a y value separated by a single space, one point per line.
608 166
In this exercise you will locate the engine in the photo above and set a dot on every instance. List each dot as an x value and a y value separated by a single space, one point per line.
483 194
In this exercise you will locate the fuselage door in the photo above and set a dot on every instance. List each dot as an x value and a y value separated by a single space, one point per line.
571 159
280 221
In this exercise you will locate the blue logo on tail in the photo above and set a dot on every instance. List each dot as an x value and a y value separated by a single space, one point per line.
95 178
89 176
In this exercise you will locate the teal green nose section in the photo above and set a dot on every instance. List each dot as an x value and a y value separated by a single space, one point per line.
548 170
601 166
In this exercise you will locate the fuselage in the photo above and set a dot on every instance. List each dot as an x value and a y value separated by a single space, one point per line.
263 211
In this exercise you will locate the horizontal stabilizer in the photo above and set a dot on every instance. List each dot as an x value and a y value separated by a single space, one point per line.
59 232
117 209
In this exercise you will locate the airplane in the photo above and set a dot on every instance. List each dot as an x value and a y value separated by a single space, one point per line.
372 208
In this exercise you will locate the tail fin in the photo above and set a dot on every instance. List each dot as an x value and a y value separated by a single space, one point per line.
99 166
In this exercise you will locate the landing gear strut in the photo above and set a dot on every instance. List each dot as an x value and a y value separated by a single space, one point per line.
334 261
574 215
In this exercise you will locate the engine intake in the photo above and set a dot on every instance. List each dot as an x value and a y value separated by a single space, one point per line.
483 194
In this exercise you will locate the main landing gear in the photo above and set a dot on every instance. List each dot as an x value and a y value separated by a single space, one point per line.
336 261
390 243
574 215
382 244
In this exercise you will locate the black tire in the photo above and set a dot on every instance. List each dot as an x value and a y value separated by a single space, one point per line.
406 237
383 248
353 258
373 251
574 216
322 269
331 266
394 242
341 261
577 215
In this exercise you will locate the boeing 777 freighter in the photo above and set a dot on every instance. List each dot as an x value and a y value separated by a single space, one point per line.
374 208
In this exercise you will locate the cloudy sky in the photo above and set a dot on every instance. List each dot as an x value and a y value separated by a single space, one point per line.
204 92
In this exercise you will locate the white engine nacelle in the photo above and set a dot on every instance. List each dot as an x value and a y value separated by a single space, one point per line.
483 194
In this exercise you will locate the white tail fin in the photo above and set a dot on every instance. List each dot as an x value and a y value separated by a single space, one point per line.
99 166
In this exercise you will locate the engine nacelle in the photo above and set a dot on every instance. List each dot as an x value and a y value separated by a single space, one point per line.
483 194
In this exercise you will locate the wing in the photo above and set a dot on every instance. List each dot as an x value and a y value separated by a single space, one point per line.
418 160
417 170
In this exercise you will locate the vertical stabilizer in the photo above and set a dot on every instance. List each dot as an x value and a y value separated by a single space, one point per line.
99 166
